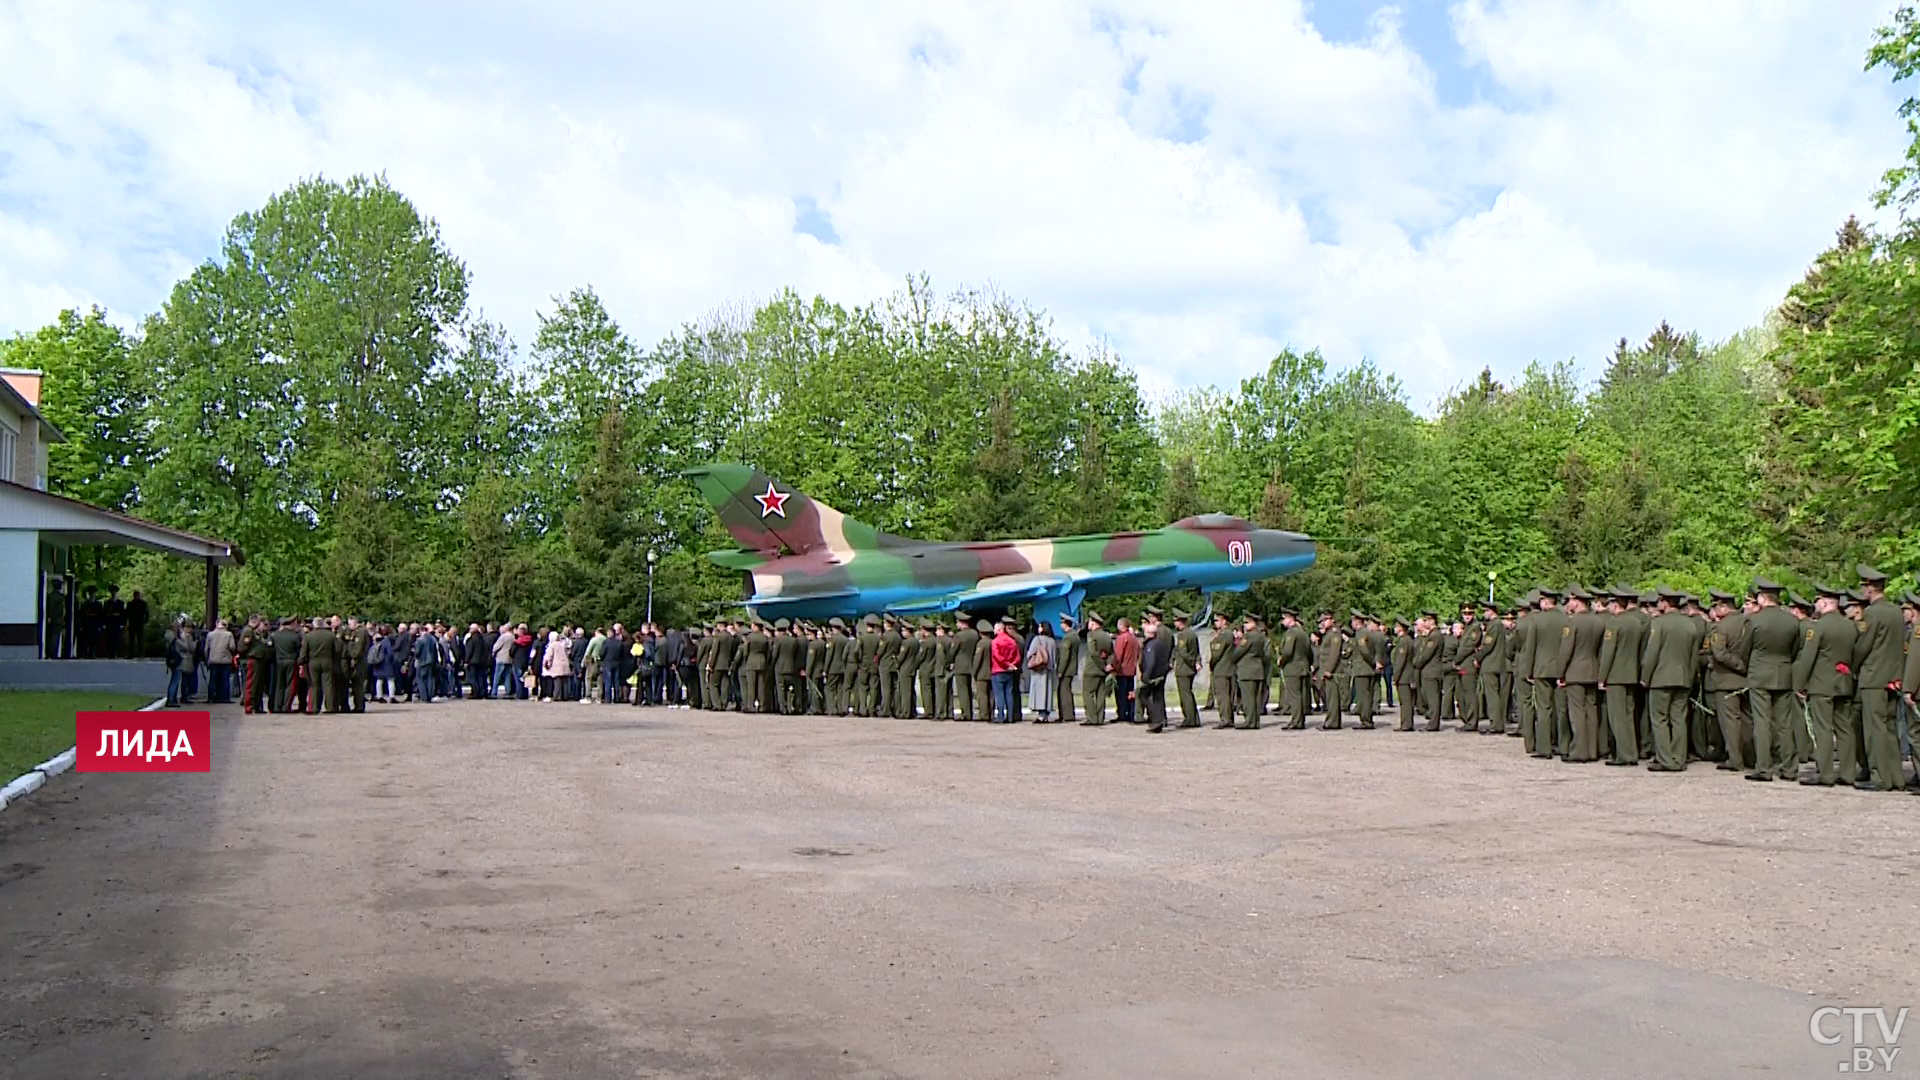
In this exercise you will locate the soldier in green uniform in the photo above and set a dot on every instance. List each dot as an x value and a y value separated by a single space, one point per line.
756 671
982 670
887 670
1186 665
1493 654
1405 677
320 655
1776 640
1296 667
1427 661
1220 682
354 644
1364 663
718 669
1582 678
1729 643
1910 681
1250 671
1449 672
1093 670
1469 651
1525 650
1620 677
786 653
1879 663
966 641
1329 671
833 667
1066 669
1822 676
1552 648
286 664
942 675
927 667
1668 660
818 646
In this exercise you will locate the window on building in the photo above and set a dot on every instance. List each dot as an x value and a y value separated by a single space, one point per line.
9 446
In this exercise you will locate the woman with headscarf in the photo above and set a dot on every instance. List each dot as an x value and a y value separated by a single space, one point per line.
1039 669
554 667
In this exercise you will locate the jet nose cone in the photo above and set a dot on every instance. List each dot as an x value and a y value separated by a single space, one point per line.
1278 544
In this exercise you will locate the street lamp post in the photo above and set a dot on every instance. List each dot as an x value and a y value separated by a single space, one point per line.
1490 577
652 557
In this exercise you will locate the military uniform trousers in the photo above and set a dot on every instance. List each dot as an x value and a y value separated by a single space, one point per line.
357 685
1189 708
1449 694
283 685
1626 741
1221 689
1585 720
928 707
1543 718
1467 698
817 694
1736 728
1829 738
983 699
1253 698
325 695
1669 707
942 696
963 697
1705 739
1879 713
1339 692
1094 689
1063 697
883 692
1430 701
1773 711
1405 693
1300 690
254 689
1363 700
1493 701
1803 739
903 695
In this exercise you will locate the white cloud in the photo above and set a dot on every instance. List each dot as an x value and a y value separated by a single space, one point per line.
1198 185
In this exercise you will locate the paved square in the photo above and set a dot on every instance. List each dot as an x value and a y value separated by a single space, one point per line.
561 890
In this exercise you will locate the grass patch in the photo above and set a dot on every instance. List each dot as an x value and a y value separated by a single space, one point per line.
37 724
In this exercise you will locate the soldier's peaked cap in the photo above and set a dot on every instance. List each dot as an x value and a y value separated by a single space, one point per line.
1870 576
983 626
1400 620
1151 610
1665 593
1761 584
837 622
781 624
1911 600
1719 597
1094 616
1798 601
1289 611
1546 592
1255 619
1180 615
1828 590
1356 613
1430 614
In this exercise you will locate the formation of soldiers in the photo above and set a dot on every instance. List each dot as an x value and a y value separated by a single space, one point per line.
1762 684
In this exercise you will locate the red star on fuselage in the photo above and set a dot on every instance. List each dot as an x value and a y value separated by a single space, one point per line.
773 502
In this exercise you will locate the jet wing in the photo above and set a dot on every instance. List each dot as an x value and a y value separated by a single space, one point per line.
1026 588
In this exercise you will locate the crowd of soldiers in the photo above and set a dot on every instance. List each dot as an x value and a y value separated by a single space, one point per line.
1762 684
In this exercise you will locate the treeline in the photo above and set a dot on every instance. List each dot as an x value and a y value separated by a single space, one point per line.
324 394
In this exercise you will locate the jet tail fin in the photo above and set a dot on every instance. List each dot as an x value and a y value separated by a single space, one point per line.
763 515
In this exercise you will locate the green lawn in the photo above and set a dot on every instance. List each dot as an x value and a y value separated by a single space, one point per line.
37 724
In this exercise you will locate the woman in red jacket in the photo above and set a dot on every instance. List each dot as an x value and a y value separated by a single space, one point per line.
1005 659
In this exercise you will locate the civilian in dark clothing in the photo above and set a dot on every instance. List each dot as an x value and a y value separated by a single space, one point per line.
478 658
613 670
426 664
1156 663
577 653
490 635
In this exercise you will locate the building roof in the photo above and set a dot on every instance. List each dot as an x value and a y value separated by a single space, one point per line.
19 401
24 508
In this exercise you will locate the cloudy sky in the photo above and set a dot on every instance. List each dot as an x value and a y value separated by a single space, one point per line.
1436 185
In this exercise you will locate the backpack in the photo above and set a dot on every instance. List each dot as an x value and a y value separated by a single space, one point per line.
377 653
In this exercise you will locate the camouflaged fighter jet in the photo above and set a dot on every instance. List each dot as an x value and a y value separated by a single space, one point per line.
804 559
